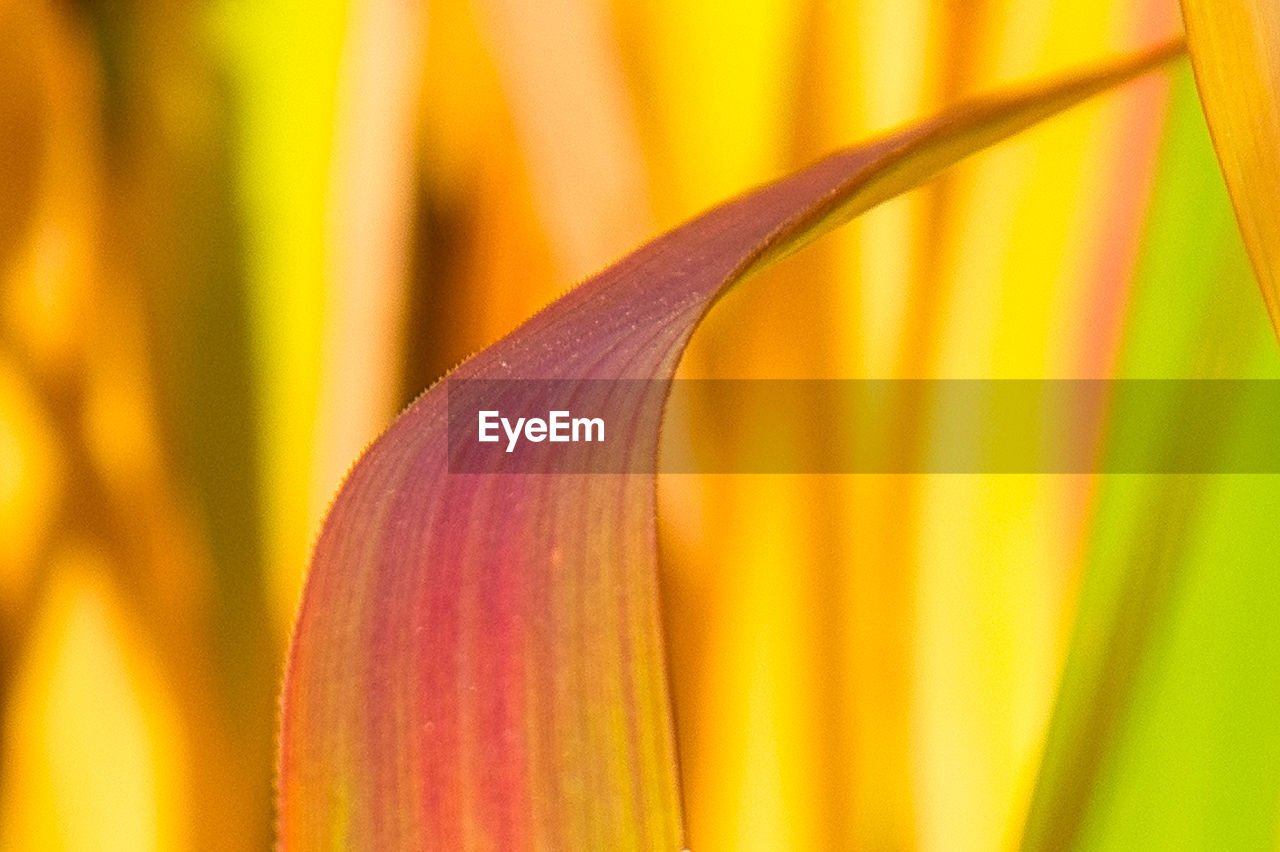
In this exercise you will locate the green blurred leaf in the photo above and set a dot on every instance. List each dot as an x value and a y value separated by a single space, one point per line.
1164 732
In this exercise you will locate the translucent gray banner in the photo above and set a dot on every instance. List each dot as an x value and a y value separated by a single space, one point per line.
865 426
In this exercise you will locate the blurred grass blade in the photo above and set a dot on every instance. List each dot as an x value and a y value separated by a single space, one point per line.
1164 735
1235 52
477 662
22 130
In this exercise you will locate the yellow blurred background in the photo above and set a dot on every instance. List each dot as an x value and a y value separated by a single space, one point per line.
236 236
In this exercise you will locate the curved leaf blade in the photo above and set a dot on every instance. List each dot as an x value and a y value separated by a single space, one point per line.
477 661
1235 53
